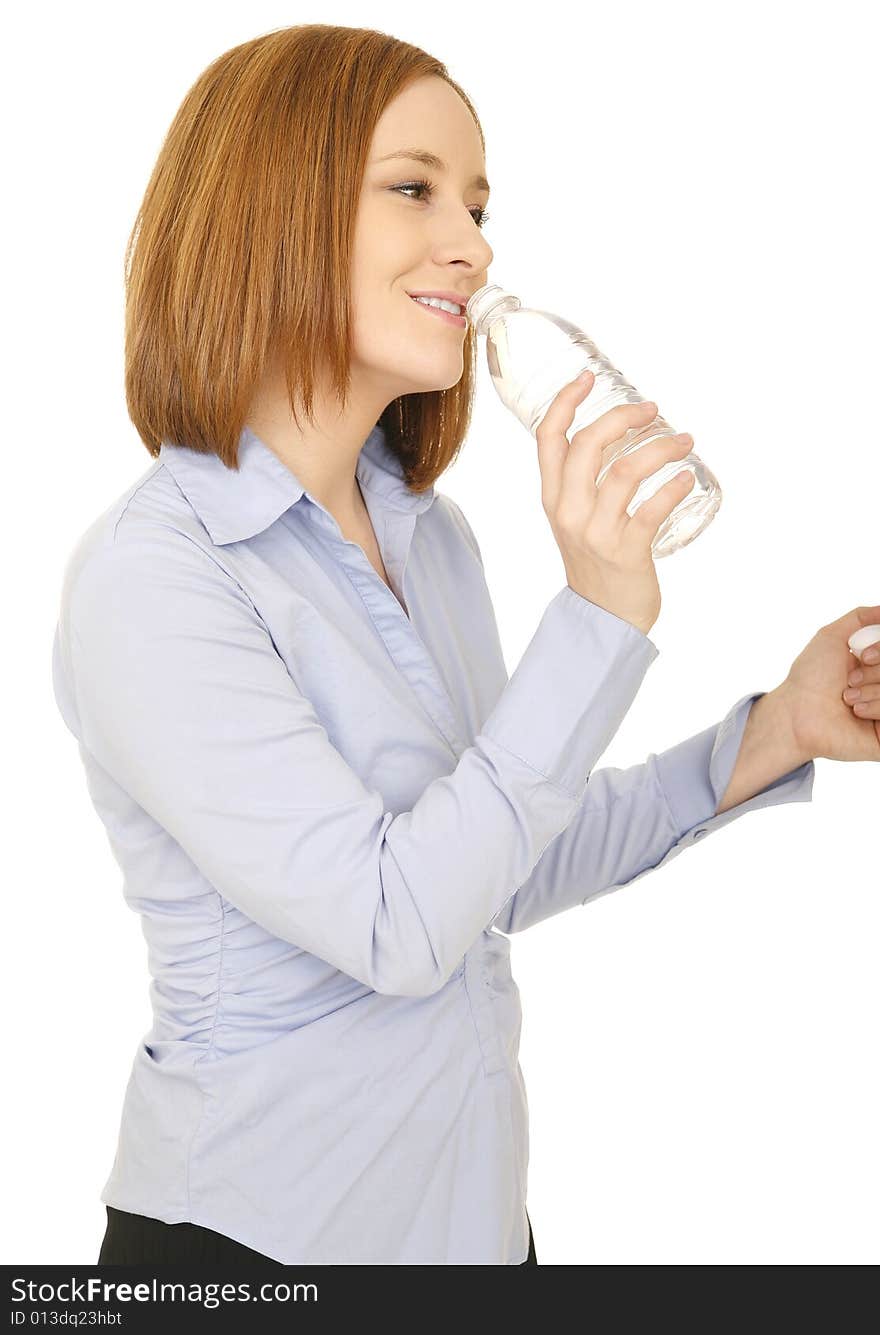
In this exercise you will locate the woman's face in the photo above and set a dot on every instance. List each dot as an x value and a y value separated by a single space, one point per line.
417 239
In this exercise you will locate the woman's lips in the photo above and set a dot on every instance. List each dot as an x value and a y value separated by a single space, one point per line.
458 321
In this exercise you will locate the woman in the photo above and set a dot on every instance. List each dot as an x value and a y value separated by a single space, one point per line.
279 656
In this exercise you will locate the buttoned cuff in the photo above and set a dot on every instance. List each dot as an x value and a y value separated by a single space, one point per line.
694 776
571 690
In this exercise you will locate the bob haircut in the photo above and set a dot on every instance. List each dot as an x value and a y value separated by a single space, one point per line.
228 263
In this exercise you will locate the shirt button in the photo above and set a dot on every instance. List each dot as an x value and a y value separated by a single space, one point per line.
697 833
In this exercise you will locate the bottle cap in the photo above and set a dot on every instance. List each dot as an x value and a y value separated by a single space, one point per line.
860 639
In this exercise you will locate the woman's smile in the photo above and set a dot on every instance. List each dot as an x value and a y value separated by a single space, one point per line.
457 321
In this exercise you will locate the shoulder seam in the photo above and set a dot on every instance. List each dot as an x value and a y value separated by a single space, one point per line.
185 537
134 493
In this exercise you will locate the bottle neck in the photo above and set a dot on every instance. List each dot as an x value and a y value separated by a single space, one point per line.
487 304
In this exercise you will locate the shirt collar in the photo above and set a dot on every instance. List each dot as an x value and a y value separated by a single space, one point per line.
234 505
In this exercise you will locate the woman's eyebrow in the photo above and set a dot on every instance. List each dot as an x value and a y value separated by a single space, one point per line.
430 160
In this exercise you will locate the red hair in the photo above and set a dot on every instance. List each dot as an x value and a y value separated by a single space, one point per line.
229 262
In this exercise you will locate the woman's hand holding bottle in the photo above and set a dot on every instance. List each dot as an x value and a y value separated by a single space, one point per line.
606 553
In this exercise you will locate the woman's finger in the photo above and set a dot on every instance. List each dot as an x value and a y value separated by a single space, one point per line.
553 444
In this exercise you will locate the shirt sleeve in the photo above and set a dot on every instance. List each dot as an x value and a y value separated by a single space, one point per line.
178 691
632 821
635 820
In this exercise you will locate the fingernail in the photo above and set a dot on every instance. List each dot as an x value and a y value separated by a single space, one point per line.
871 655
584 377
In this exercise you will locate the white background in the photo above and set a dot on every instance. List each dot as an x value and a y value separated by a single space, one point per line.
695 186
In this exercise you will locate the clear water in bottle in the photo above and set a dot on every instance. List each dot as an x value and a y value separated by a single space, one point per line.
532 354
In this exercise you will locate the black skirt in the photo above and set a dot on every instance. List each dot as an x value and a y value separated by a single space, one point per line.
136 1239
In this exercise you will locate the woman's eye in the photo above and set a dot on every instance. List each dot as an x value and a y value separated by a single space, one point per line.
425 188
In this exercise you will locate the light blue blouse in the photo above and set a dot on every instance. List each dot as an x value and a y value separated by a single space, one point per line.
330 805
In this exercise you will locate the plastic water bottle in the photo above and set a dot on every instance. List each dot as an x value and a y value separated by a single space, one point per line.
532 354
